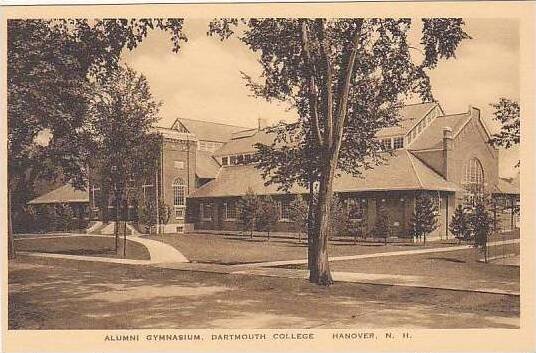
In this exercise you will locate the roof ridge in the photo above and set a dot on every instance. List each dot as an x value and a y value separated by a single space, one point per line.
412 104
414 169
215 123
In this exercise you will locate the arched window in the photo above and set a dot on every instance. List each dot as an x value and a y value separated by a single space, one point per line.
179 197
473 179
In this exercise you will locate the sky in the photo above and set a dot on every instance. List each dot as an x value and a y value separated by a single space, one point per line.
204 81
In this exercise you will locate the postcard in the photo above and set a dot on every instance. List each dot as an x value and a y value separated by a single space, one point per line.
342 176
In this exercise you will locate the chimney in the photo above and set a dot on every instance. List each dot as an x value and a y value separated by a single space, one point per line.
447 146
262 123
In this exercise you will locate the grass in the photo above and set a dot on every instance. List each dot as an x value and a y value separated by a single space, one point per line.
240 249
453 267
47 293
83 245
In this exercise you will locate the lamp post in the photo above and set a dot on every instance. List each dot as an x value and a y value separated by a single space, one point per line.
113 174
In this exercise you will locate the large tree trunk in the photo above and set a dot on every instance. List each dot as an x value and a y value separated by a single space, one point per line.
310 229
320 272
11 252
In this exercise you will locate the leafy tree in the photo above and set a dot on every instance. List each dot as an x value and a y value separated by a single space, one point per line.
459 225
507 113
268 215
164 212
50 65
382 228
346 78
298 214
248 211
424 218
147 215
481 226
120 116
65 216
339 217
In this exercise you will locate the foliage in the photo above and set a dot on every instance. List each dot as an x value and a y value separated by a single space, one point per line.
147 214
298 214
268 215
65 214
424 218
338 220
164 212
382 227
51 65
481 223
459 225
346 78
121 114
507 113
248 210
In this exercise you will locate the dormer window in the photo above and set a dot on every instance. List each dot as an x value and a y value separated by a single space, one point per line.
398 142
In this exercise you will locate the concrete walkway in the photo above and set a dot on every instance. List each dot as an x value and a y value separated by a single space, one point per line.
373 255
159 252
167 257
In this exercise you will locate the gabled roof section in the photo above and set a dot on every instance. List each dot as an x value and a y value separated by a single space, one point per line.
403 171
245 144
410 115
206 166
208 131
508 186
432 136
64 194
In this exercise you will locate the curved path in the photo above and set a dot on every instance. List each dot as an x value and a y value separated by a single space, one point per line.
159 252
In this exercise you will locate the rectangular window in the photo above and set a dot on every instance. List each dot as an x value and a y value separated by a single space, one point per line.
178 164
233 160
179 212
205 211
385 144
284 210
230 211
357 209
224 160
247 159
240 159
398 142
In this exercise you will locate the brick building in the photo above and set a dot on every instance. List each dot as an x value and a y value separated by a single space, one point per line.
205 168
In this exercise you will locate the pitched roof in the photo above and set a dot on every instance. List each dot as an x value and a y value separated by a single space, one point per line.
63 194
403 171
244 141
205 165
508 186
432 136
409 116
208 131
245 144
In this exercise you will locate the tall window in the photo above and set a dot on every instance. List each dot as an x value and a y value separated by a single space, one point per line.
179 198
230 210
205 211
284 210
473 180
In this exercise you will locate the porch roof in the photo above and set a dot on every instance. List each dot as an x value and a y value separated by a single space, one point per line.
64 194
403 171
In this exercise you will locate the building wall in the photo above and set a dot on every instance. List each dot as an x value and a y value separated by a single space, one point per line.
179 161
400 206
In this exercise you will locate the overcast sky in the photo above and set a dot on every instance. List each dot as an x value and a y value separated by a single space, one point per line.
203 80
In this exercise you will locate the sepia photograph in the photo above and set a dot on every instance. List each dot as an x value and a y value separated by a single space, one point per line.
216 171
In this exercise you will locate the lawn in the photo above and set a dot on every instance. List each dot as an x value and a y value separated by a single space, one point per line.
47 293
82 245
447 268
237 249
